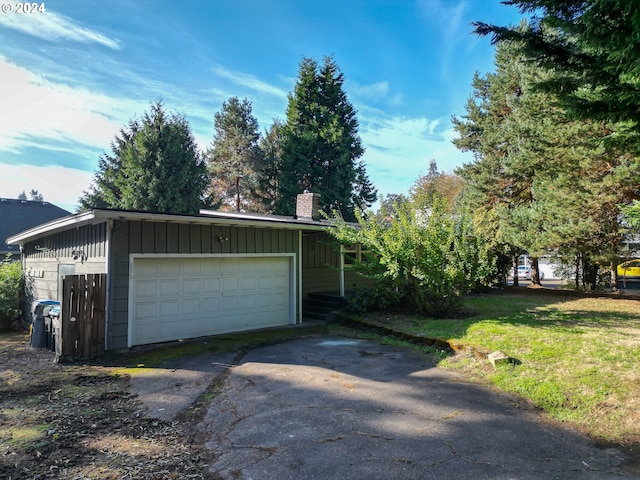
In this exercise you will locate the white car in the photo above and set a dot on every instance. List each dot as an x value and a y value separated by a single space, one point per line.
524 271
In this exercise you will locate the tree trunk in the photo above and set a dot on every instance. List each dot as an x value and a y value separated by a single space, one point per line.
614 274
515 272
535 272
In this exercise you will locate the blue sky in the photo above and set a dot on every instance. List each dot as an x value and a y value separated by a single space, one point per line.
71 77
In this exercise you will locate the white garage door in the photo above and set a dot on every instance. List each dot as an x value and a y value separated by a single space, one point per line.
179 298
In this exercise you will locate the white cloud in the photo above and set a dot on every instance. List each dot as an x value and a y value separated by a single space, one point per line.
249 81
374 90
52 26
448 18
35 108
58 185
399 149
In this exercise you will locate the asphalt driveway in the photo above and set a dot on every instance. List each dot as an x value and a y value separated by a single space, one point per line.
340 408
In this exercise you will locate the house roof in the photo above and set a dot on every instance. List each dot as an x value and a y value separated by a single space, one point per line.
19 215
205 217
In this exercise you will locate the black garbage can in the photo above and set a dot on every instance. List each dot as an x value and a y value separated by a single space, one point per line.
40 334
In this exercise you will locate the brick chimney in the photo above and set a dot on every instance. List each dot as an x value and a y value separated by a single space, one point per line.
308 206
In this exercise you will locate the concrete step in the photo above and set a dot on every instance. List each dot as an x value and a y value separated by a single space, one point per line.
319 306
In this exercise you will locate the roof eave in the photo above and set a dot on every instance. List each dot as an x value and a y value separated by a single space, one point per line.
98 216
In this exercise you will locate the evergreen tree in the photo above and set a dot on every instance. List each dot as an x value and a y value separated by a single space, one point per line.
34 196
321 144
234 160
271 151
154 166
539 175
591 50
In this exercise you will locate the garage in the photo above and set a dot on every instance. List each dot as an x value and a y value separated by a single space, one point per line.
173 298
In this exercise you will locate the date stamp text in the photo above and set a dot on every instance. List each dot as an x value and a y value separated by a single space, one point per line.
22 8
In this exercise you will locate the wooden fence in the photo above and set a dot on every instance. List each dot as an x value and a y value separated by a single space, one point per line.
82 327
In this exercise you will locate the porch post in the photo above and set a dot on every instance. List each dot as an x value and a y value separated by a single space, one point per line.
341 270
299 276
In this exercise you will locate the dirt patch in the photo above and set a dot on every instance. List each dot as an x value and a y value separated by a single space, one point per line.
79 421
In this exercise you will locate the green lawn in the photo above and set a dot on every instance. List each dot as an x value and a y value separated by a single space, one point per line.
577 358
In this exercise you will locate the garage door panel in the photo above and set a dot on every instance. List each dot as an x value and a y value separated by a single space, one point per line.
168 267
248 303
190 306
211 268
265 283
280 268
247 267
230 267
168 307
191 286
147 269
146 312
210 285
147 288
230 302
230 285
176 298
248 283
190 267
211 304
280 282
169 287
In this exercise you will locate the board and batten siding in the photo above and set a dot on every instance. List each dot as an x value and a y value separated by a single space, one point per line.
48 259
320 263
321 266
140 237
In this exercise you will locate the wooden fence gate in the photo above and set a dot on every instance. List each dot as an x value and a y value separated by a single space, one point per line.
82 327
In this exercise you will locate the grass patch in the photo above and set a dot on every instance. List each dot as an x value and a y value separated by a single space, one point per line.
579 356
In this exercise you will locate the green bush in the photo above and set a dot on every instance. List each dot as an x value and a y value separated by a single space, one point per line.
433 255
386 295
11 283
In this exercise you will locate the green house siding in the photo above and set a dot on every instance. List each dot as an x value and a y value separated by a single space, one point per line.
46 260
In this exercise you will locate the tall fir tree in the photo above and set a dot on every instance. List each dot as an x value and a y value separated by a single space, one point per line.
591 50
539 174
321 144
154 166
271 150
235 159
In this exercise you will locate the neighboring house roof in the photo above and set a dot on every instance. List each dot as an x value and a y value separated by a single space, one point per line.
19 215
210 217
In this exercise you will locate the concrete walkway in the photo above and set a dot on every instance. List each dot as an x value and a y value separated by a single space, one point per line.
339 408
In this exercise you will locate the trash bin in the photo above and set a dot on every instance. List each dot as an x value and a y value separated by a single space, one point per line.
40 334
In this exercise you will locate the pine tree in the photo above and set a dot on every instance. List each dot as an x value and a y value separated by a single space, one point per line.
234 159
321 144
154 166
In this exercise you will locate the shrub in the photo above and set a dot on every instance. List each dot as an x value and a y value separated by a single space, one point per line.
11 283
386 295
433 255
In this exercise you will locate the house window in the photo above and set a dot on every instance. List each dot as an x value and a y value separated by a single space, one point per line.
352 254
